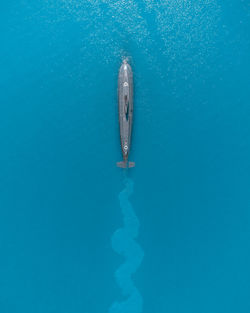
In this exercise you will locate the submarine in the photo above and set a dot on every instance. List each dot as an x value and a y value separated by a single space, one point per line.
125 106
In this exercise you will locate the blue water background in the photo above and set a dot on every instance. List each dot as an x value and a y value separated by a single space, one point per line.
59 143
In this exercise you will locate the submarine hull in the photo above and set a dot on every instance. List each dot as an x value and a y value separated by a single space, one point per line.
125 103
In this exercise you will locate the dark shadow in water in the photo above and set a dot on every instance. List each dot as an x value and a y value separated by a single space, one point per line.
123 242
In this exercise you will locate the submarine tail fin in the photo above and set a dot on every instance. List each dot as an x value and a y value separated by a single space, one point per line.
124 164
121 164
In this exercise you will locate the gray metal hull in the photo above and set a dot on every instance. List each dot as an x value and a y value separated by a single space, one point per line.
125 99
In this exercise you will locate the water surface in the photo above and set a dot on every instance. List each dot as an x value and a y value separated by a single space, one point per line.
59 187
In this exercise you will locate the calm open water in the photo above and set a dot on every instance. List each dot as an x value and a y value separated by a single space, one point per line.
73 227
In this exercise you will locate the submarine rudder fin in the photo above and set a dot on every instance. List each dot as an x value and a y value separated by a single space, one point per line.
131 164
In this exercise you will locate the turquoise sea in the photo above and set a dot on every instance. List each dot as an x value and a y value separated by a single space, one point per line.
78 234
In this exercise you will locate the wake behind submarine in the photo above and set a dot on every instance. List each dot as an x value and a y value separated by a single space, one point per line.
125 103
